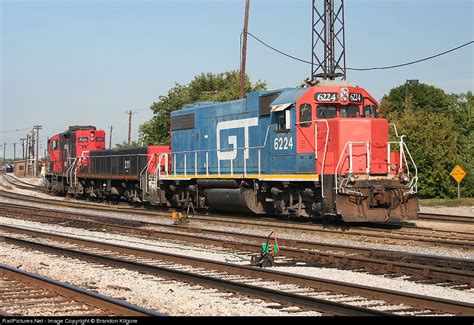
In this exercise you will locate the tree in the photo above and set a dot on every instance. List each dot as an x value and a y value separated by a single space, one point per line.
439 134
204 87
124 145
423 96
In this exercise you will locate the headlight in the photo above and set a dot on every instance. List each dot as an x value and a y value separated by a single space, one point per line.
351 178
404 179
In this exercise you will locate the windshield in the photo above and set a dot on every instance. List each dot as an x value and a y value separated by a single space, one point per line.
349 111
326 111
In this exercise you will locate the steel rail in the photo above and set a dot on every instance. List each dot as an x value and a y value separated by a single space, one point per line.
379 260
108 305
420 301
305 302
433 237
447 218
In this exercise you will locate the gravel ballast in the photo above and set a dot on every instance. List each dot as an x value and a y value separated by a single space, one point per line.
224 255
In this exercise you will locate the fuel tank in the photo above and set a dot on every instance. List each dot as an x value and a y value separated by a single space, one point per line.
234 199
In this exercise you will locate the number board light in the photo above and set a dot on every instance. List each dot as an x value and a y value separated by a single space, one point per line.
355 97
326 97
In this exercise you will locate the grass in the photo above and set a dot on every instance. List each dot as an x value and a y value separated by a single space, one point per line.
468 201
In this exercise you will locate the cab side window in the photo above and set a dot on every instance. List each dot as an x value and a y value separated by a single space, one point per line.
283 120
305 115
370 111
55 144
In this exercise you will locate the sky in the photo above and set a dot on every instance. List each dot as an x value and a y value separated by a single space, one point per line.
86 62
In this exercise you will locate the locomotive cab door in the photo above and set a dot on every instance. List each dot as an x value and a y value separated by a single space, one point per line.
313 137
54 155
305 146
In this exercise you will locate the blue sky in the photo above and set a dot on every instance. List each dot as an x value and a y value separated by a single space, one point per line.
86 62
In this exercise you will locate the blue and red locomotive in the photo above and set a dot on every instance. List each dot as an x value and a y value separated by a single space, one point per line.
316 151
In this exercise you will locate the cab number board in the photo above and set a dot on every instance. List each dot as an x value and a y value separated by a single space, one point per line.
355 97
326 97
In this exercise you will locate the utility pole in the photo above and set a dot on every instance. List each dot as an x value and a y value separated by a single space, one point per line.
23 147
130 113
244 50
4 147
14 152
110 137
32 146
37 128
27 157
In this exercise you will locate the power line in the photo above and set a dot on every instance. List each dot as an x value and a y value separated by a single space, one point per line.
413 62
364 69
15 130
276 50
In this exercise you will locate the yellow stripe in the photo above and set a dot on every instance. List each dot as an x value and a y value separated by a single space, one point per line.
308 177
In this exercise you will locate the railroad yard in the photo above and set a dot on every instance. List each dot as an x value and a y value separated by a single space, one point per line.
288 185
140 257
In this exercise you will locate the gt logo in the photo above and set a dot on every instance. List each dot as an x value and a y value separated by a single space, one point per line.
232 139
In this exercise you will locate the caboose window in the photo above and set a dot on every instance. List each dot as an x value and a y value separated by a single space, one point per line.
55 144
305 115
326 111
99 139
349 111
83 139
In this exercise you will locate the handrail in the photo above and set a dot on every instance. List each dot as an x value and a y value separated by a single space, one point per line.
195 152
395 128
403 151
324 154
144 181
415 178
350 158
70 168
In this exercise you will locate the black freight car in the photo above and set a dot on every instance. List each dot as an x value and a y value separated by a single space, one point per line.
115 173
127 163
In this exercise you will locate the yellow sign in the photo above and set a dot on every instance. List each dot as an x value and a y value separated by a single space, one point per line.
458 173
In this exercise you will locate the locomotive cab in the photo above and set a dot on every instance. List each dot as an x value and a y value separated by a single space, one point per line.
364 176
68 153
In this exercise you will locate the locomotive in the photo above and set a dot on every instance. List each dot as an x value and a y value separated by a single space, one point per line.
305 152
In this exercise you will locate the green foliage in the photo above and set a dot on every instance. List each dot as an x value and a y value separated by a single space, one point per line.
439 135
124 145
422 96
204 87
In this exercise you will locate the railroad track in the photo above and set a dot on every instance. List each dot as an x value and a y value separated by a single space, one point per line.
305 292
23 185
446 218
419 266
28 294
420 235
422 216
